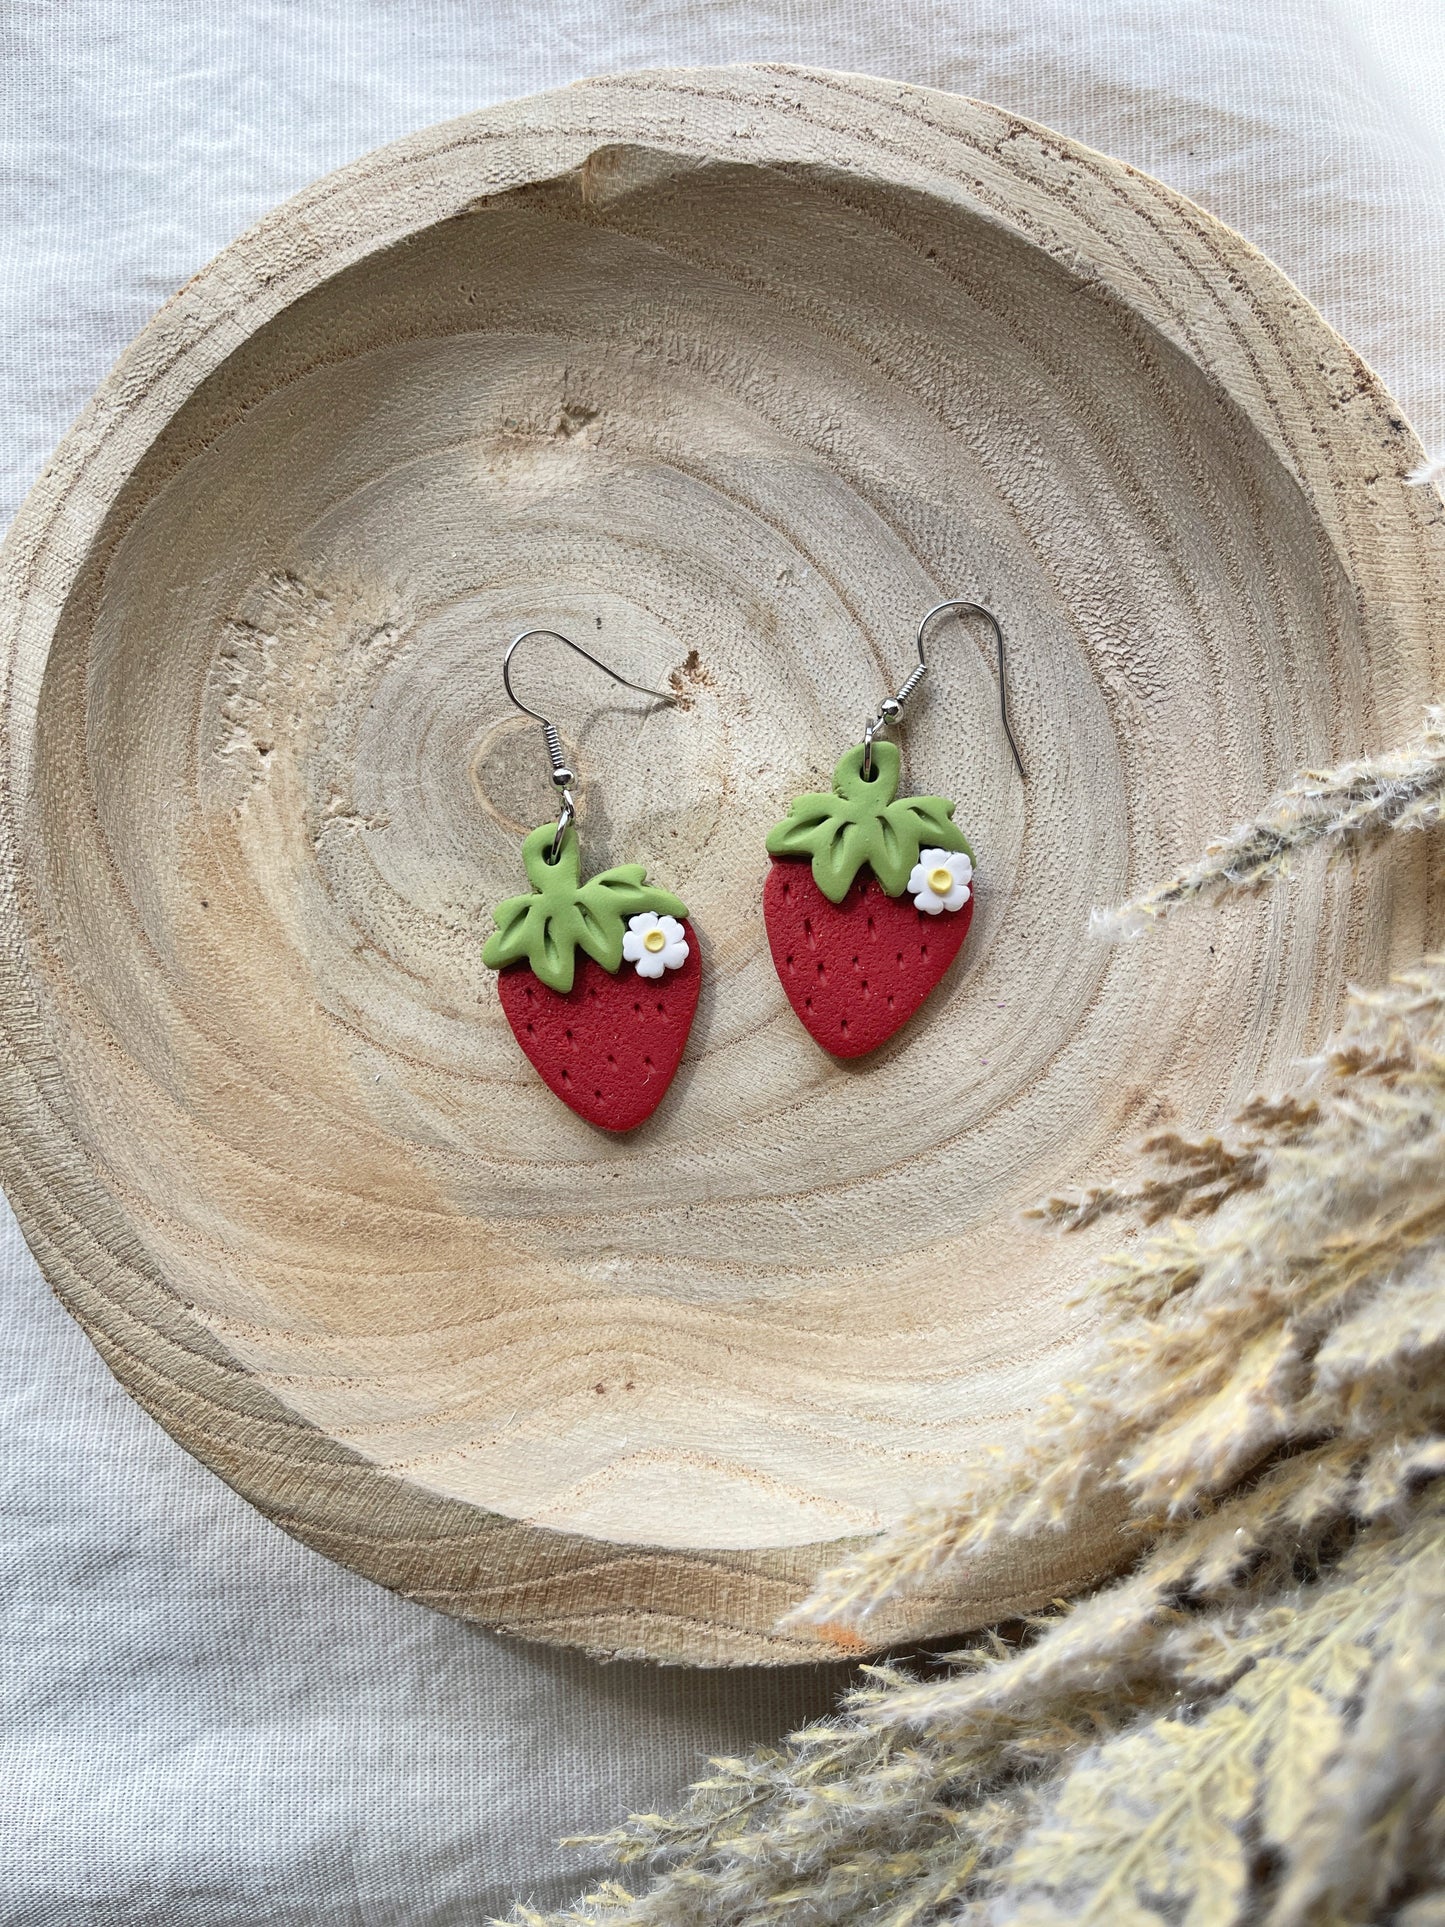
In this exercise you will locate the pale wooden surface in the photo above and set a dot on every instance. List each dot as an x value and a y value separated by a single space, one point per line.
730 374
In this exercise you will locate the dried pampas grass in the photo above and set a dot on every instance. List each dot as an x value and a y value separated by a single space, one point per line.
1249 1726
1347 810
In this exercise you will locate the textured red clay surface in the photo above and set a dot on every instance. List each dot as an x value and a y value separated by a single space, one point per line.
855 971
611 1046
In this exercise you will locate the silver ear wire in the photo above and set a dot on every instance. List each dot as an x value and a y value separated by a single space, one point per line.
562 777
891 708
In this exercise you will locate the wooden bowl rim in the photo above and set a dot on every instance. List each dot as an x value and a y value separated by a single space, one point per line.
1327 418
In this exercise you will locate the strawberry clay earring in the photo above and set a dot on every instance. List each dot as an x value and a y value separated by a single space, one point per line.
870 894
598 979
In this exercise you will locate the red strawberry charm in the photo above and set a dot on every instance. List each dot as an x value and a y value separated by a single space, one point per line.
605 1031
854 971
864 931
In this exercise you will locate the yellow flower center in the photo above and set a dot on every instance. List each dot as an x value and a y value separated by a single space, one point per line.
940 881
655 940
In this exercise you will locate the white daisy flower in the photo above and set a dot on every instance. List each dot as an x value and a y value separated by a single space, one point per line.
940 880
654 944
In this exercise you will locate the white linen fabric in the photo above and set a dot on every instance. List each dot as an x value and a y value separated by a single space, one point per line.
205 1722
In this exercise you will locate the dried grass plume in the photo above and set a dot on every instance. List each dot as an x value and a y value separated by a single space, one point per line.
1346 810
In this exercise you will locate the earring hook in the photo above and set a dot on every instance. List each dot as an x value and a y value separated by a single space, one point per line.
562 777
891 708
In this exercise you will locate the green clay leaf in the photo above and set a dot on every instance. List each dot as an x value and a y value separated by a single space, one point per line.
928 819
891 853
508 942
798 835
863 820
624 892
599 934
836 860
557 953
562 915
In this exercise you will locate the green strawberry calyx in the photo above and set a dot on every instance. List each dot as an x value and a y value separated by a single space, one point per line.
864 820
561 915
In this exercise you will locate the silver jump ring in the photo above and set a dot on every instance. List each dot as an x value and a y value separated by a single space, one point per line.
564 823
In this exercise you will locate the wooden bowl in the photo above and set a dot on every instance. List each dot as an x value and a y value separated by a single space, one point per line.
731 375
